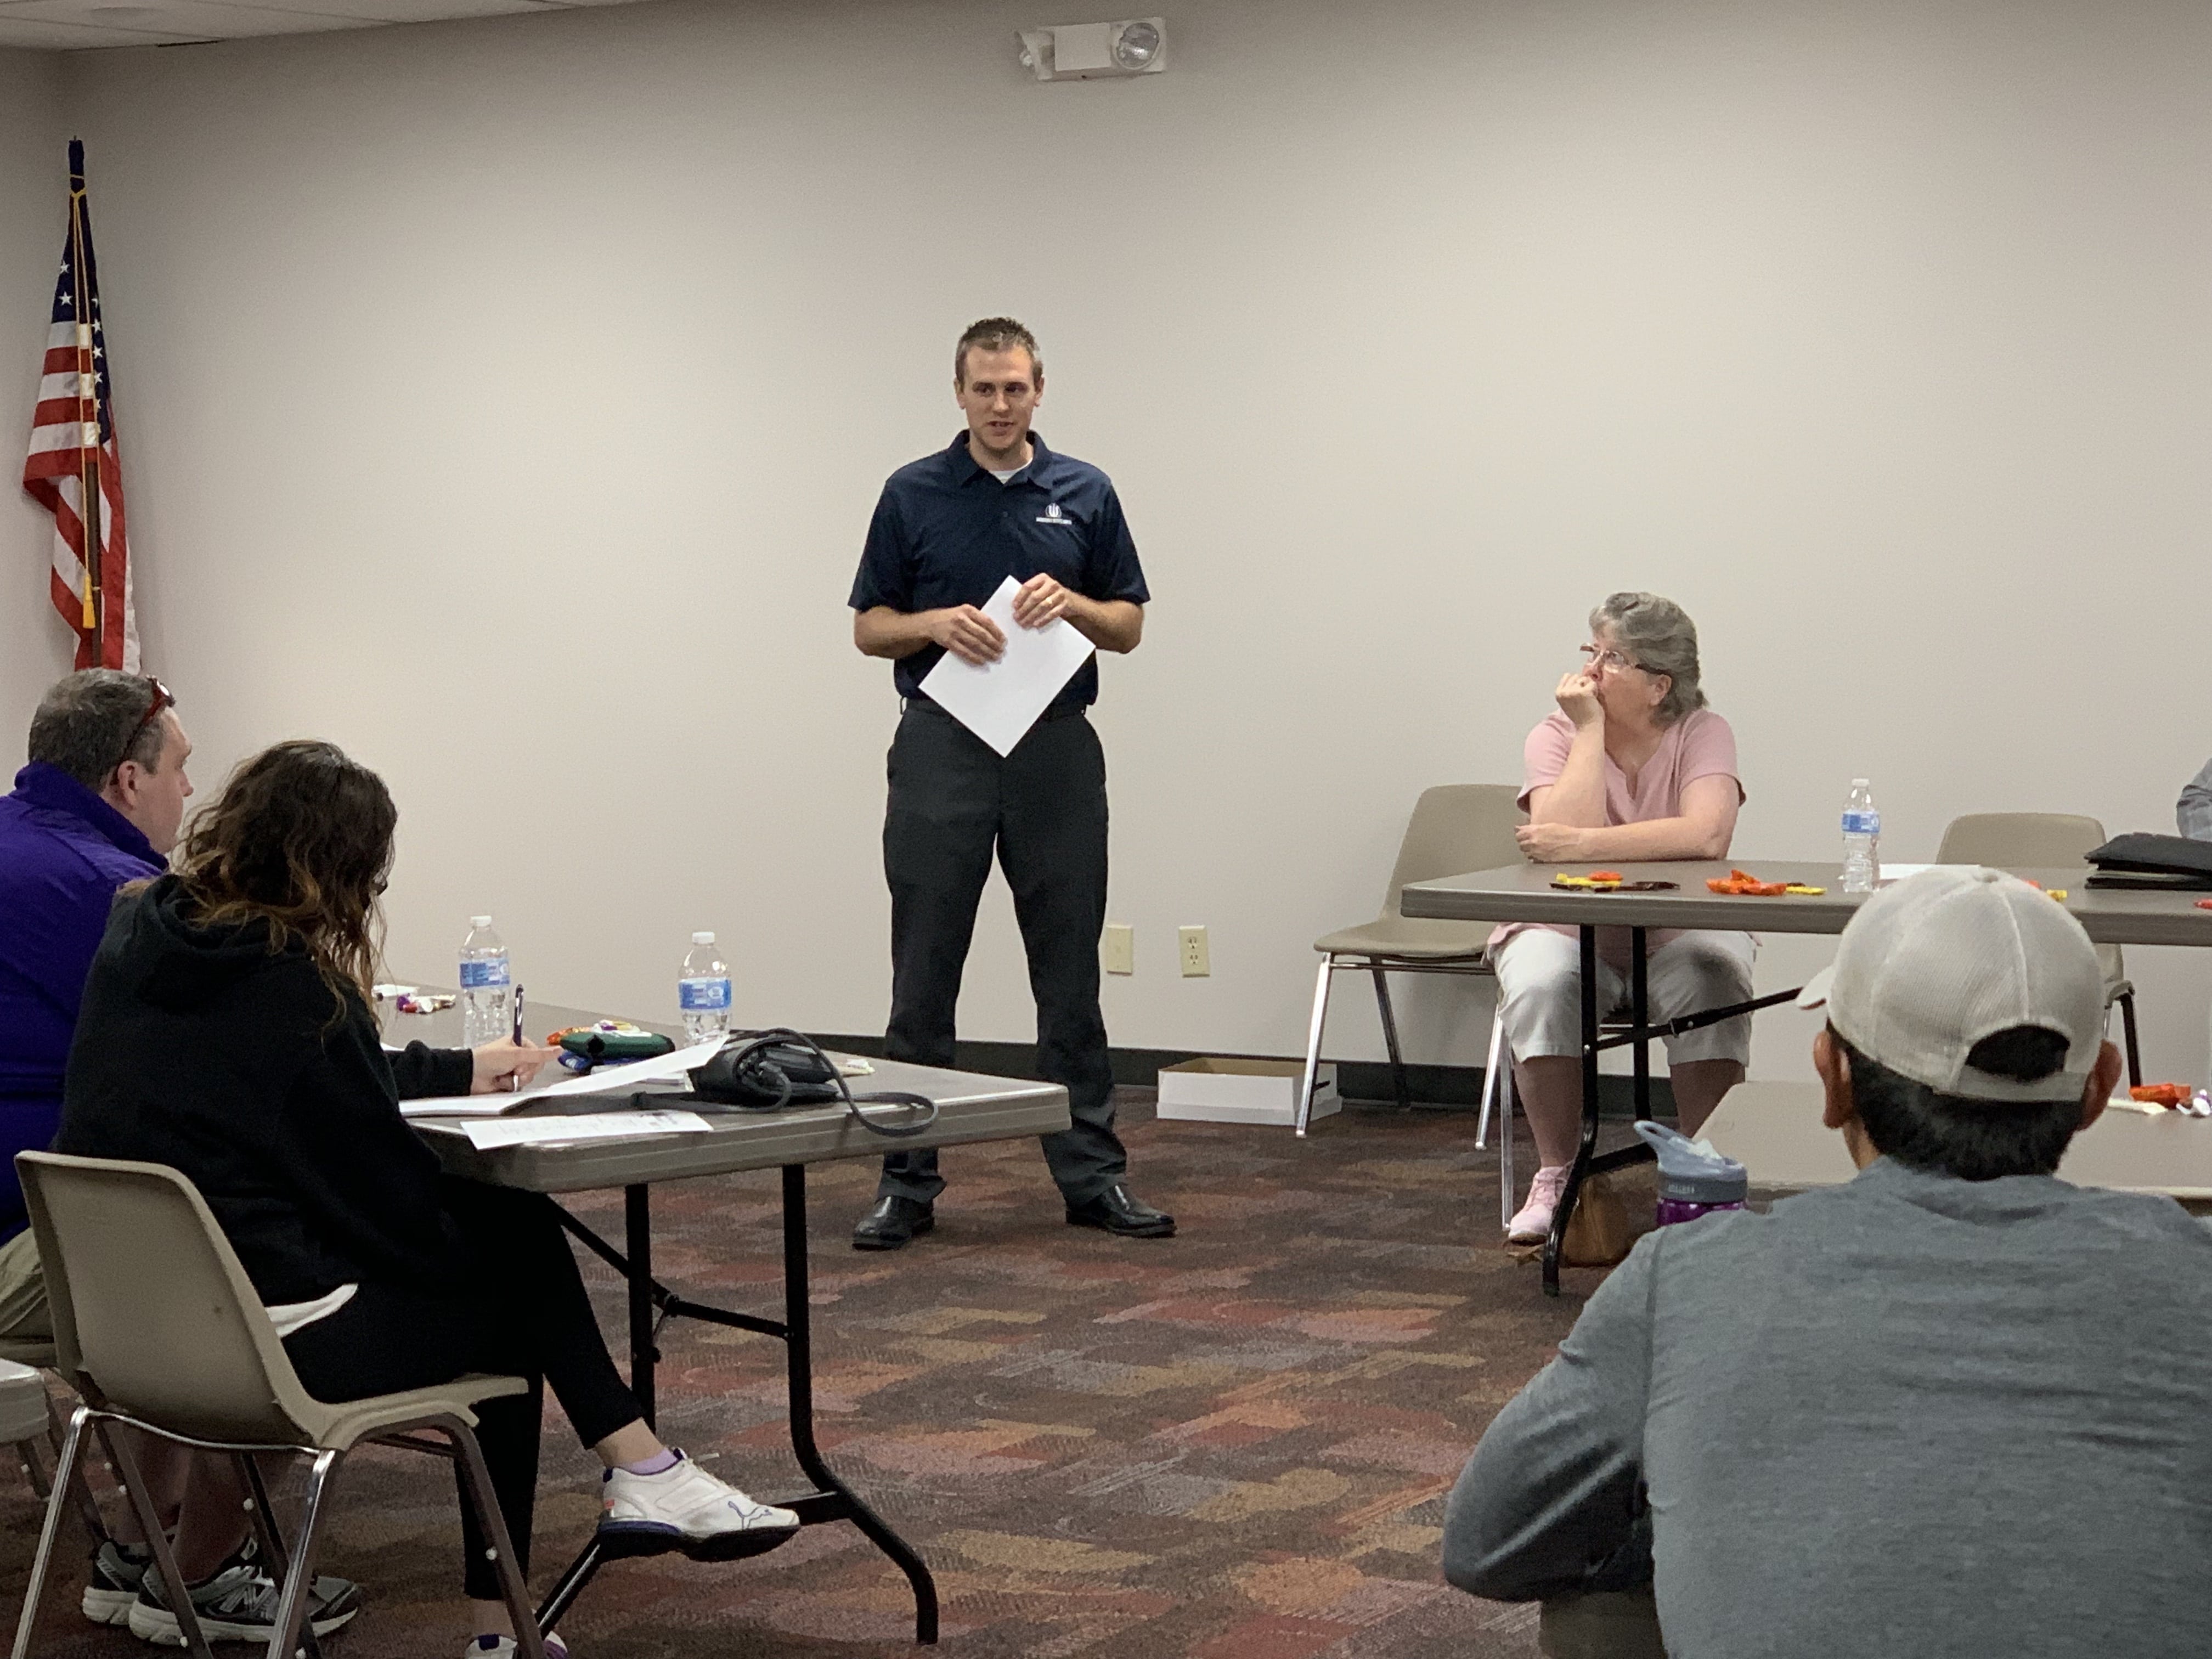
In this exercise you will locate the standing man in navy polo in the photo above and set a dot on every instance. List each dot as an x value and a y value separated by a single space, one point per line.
948 531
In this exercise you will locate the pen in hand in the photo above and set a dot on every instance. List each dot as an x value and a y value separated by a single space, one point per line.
516 1083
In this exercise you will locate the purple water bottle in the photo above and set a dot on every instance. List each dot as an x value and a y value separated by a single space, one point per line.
1693 1181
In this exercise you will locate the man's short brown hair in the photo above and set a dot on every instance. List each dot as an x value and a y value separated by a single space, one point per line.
995 334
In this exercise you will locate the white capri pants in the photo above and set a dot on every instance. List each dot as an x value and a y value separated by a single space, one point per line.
1539 993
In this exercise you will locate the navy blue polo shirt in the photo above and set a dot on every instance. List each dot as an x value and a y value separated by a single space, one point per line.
946 533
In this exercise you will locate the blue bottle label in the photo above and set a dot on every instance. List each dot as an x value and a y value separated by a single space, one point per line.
703 996
1862 823
483 975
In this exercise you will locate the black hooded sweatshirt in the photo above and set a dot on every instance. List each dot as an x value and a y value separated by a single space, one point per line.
201 1049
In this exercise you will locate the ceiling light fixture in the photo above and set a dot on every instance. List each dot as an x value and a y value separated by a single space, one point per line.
1093 51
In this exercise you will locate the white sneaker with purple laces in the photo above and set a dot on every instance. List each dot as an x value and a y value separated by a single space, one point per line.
506 1647
684 1508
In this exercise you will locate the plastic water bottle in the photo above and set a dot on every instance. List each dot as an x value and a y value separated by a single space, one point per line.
487 992
703 991
1694 1179
1862 839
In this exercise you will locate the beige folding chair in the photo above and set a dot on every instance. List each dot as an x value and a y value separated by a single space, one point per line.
2032 841
36 1357
23 1418
1455 828
157 1326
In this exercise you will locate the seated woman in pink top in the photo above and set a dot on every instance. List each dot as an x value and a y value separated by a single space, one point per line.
1632 767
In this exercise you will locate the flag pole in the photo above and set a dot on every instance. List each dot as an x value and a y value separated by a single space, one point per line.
87 385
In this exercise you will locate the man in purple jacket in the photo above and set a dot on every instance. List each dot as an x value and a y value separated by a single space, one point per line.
100 804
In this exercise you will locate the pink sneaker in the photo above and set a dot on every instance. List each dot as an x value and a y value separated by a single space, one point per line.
1533 1225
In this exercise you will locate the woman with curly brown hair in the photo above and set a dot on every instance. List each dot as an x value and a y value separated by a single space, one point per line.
226 1031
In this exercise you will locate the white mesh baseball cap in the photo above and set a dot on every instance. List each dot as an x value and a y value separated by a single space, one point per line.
1930 967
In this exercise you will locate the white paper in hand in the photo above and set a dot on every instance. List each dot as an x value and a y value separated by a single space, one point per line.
999 701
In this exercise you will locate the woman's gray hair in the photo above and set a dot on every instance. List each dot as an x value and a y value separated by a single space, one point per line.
1658 636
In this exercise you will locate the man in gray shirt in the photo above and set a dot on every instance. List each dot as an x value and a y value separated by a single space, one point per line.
1955 1408
2193 811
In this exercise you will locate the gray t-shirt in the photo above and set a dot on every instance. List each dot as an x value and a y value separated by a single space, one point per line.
1911 1415
2193 811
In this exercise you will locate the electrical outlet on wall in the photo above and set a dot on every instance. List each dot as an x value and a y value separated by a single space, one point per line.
1190 948
1117 951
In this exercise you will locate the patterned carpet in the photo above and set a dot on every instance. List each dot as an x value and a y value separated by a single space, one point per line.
1233 1444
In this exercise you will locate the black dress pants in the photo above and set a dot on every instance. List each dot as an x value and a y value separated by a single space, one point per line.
521 1311
954 801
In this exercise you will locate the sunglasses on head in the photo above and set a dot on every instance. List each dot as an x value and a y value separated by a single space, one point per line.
162 700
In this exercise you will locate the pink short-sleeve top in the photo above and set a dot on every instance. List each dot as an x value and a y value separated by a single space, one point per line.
1699 745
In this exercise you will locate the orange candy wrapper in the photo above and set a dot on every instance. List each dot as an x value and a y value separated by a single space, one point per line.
1743 884
2161 1094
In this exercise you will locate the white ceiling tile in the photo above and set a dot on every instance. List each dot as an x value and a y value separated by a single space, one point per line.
69 25
39 34
174 20
390 11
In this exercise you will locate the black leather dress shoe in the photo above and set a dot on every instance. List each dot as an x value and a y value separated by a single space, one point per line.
892 1223
1114 1212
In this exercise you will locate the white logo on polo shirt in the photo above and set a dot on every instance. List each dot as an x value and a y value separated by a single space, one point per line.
1052 515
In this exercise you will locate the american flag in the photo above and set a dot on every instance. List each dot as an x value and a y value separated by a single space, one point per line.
75 458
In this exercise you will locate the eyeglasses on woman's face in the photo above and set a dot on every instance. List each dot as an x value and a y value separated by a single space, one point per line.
1607 659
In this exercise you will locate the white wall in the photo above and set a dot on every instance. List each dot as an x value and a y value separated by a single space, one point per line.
507 401
35 647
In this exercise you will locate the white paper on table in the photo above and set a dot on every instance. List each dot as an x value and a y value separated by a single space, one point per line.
602 1080
585 1126
1000 701
1890 872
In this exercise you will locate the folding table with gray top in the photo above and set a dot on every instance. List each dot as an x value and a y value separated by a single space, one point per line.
971 1107
1523 892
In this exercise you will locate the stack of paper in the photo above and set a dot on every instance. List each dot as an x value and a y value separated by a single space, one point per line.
604 1080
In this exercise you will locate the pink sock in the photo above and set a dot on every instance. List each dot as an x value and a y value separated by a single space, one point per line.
660 1463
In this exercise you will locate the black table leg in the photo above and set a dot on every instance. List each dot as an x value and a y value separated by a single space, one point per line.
1639 1012
1587 1144
637 1246
650 1303
799 1358
636 1266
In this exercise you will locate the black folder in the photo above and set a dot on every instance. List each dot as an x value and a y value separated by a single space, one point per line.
2162 863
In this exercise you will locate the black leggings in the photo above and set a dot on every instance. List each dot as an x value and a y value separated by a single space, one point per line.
520 1312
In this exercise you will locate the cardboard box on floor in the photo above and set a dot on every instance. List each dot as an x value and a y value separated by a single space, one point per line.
1774 1130
1211 1089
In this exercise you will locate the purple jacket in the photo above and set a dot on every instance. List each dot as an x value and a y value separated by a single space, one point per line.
64 851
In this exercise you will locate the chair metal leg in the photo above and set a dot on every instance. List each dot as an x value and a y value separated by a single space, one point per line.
165 1559
1510 1087
2127 1001
65 1472
1489 1082
477 1481
37 1476
79 1490
292 1605
273 1551
1313 1043
1390 1038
